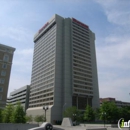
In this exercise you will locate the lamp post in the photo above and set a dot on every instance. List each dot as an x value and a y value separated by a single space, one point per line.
45 108
104 117
74 115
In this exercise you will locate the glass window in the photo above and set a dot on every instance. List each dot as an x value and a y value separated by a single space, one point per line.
1 89
0 97
6 58
2 81
4 66
3 73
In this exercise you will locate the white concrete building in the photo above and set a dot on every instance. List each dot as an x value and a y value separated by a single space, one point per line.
20 95
64 71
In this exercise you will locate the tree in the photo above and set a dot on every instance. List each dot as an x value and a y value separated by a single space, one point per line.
18 116
29 118
39 118
71 112
7 113
109 112
124 112
89 114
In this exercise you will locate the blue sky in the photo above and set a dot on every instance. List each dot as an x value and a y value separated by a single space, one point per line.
108 19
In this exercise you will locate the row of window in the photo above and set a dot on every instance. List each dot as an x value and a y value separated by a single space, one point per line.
46 39
81 78
36 69
39 64
40 71
43 45
80 36
82 91
83 82
45 36
44 82
82 63
43 79
41 98
39 105
78 27
44 53
81 46
40 86
46 62
82 70
81 74
81 66
76 50
84 87
81 32
82 59
46 31
41 75
80 40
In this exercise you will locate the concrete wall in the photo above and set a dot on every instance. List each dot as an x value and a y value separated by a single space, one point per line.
9 126
95 100
39 111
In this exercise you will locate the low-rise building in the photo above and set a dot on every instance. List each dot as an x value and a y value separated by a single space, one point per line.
20 95
117 102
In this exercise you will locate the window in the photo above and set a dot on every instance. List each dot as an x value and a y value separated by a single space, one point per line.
6 58
0 97
2 81
4 66
1 89
3 73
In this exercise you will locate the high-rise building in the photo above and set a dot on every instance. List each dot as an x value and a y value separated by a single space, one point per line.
6 57
64 71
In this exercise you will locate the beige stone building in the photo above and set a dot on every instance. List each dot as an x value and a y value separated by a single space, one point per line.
6 57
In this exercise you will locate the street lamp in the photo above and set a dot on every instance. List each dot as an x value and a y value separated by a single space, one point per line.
45 108
104 117
74 115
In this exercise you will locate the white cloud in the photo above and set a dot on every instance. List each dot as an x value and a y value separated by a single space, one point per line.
23 60
113 51
117 11
16 33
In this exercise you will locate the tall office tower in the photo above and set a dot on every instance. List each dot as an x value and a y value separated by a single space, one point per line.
6 57
64 71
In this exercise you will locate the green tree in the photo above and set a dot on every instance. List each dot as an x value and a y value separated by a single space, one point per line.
7 113
18 116
124 112
109 112
72 112
29 118
39 118
89 114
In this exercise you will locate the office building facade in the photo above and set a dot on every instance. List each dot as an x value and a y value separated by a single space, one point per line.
64 71
20 95
6 57
117 102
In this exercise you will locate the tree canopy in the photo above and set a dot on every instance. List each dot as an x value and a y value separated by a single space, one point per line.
7 113
89 114
71 112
